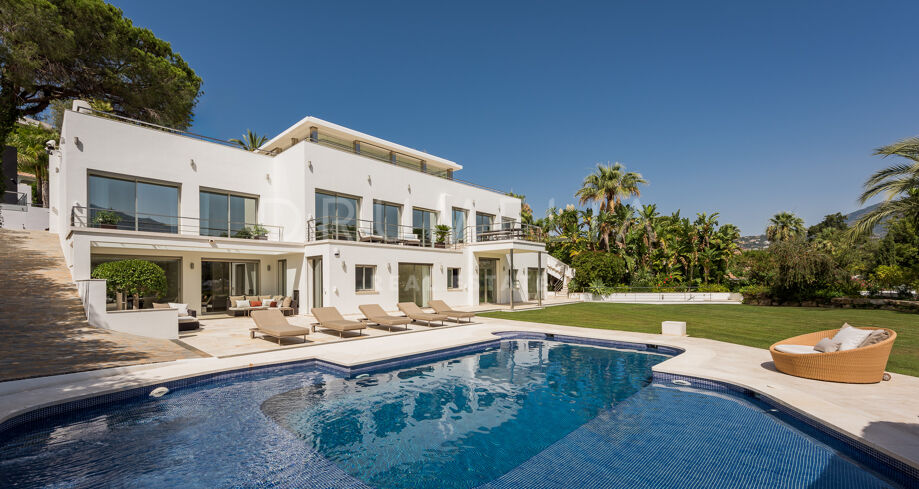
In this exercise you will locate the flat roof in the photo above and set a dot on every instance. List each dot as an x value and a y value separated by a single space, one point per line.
300 131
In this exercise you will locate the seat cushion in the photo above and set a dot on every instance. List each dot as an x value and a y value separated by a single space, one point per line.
796 349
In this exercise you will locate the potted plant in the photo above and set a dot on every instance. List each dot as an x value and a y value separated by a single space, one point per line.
107 219
259 232
441 231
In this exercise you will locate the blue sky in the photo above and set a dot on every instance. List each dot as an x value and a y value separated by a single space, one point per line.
742 108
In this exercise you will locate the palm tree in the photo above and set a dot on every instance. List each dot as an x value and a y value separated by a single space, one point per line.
32 156
608 186
899 183
648 217
784 226
250 141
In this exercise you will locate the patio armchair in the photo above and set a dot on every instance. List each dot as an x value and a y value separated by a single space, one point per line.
188 318
330 318
417 314
271 322
861 365
376 314
441 307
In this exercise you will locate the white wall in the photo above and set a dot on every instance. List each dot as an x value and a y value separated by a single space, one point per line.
16 217
153 323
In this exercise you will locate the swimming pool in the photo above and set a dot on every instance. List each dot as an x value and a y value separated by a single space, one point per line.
515 412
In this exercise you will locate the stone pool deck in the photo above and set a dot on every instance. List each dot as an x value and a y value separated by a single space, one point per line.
885 416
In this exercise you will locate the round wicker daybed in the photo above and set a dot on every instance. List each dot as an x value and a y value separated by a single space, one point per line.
863 365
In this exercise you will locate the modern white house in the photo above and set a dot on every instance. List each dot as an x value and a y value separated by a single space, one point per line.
329 215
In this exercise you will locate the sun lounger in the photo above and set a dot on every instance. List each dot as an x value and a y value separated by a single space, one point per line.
376 314
416 314
271 322
330 318
441 307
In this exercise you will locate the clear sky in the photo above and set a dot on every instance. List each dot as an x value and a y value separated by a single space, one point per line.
742 108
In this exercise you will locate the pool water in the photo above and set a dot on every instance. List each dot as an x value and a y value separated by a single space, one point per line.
517 413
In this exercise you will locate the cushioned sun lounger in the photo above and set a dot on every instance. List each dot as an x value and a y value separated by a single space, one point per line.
330 318
271 322
441 307
376 314
416 314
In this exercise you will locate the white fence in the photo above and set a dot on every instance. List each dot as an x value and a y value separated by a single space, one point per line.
666 297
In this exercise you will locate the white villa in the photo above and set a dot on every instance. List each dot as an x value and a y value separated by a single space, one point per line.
322 213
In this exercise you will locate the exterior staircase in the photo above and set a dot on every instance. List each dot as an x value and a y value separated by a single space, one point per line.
561 272
43 327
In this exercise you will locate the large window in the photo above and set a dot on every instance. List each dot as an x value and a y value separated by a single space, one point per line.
386 220
459 224
227 215
363 278
336 216
415 283
132 204
171 266
423 222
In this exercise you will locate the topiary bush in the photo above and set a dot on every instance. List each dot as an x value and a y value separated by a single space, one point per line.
132 277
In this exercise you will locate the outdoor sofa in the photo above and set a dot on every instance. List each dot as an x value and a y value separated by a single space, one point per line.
236 307
188 318
271 322
375 314
862 364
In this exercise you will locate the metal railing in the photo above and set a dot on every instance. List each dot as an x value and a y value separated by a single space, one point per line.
83 217
179 132
20 199
345 229
365 231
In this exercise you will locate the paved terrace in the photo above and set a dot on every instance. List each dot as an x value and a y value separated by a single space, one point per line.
883 415
43 328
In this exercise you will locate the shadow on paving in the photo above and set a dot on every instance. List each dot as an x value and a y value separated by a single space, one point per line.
43 329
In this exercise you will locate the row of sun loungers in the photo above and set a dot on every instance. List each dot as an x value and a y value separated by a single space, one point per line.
271 322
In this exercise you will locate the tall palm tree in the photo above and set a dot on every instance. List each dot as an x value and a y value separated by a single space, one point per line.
32 157
648 217
251 141
899 183
608 185
784 226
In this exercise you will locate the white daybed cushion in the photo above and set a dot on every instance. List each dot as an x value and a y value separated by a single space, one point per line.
796 349
849 338
183 308
242 304
186 319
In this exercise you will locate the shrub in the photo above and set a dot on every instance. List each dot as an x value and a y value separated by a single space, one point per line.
132 277
591 266
800 270
713 288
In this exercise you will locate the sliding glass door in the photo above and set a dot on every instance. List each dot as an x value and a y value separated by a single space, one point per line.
171 266
386 220
459 224
227 215
423 222
488 283
415 283
336 216
221 279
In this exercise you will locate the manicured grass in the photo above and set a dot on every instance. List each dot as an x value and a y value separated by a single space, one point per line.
756 326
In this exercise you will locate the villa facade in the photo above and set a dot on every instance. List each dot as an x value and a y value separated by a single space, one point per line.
330 215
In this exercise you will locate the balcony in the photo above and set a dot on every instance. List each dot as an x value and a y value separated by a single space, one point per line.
366 231
83 217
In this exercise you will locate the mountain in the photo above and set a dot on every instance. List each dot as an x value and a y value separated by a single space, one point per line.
879 230
758 242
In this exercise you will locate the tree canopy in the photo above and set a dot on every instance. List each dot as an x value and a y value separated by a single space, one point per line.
64 49
132 277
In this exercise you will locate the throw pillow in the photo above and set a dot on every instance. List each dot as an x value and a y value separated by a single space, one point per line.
255 303
242 304
875 337
183 308
236 298
827 345
287 301
849 338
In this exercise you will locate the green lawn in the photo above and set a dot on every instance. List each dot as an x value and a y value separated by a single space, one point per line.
745 325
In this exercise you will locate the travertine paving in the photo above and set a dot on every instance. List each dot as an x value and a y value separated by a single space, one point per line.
43 329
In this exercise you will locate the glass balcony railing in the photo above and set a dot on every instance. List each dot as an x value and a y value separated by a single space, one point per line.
376 232
83 217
